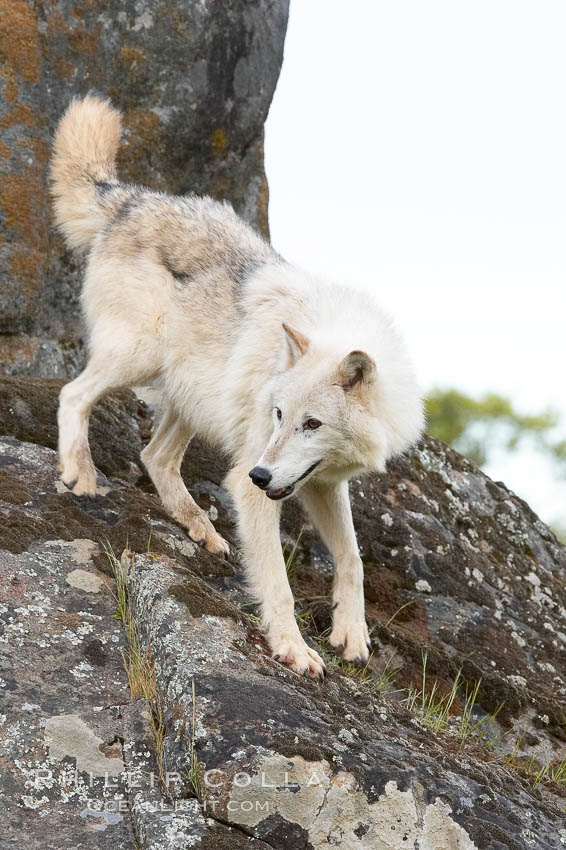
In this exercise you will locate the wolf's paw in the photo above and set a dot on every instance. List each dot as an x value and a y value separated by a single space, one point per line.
350 639
202 531
79 478
215 543
299 657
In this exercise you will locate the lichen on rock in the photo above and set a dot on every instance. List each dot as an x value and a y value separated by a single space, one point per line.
257 756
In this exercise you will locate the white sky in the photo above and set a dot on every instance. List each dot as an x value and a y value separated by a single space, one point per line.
419 150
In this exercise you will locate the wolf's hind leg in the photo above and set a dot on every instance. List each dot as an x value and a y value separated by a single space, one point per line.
162 459
258 519
116 361
329 508
75 403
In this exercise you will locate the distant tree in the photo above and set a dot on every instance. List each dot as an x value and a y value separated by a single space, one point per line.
477 427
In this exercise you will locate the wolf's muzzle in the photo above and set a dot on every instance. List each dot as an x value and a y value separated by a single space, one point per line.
283 492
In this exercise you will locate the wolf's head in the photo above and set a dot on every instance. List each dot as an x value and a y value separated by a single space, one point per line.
335 413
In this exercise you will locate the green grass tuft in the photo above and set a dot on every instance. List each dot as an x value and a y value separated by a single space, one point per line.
139 664
290 561
194 768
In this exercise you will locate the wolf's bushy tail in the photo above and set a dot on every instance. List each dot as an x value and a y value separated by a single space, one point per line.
84 153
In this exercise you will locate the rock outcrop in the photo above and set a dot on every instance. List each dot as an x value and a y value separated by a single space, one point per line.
142 708
194 81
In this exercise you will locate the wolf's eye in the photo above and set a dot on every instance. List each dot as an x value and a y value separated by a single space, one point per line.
312 424
278 413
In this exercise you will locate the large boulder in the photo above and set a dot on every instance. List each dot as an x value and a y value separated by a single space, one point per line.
194 81
464 591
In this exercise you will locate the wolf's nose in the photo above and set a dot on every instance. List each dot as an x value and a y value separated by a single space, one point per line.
260 476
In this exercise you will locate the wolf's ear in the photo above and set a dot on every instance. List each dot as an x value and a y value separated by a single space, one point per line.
297 344
355 369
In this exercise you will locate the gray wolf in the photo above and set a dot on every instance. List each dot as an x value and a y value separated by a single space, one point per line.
304 383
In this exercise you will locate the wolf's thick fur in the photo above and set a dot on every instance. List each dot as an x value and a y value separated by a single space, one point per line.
303 382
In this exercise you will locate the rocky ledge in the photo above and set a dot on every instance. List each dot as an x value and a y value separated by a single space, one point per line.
142 708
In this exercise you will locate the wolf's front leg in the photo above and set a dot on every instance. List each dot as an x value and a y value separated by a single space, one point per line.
329 508
258 520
